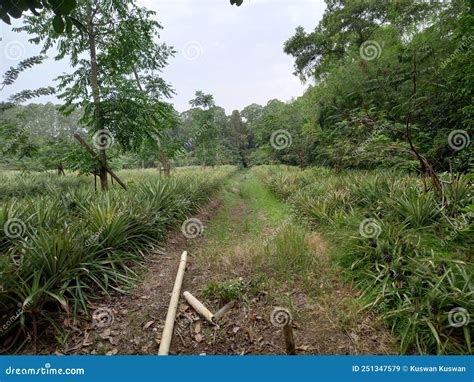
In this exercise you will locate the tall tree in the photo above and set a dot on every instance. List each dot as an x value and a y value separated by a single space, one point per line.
118 84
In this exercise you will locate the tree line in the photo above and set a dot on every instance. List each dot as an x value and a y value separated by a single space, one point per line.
389 85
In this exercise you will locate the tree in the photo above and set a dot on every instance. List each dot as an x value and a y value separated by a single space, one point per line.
37 137
204 130
398 104
118 84
205 101
281 132
349 23
239 138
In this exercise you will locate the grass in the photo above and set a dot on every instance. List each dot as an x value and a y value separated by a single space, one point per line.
255 247
415 269
225 291
67 245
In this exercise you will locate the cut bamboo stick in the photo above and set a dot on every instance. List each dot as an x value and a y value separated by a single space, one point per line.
173 307
199 307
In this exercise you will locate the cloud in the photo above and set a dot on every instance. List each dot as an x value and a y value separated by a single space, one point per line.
234 53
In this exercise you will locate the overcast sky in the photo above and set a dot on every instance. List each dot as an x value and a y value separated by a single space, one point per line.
234 53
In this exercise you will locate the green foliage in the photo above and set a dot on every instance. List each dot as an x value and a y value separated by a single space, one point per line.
61 9
11 75
124 76
370 78
415 209
73 246
417 270
37 137
225 291
348 24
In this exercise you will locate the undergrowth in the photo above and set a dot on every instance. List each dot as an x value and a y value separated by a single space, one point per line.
408 250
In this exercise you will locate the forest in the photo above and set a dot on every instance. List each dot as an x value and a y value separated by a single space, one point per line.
348 209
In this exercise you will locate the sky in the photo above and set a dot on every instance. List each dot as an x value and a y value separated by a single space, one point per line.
233 53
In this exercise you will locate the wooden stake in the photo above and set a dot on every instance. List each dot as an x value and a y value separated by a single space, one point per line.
289 340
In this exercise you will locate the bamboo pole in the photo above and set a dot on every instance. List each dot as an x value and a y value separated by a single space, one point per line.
173 307
199 307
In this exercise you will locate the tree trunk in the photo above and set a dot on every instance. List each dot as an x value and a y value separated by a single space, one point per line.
425 167
61 170
98 114
301 158
165 163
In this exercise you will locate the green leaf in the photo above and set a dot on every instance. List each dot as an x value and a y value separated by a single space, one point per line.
63 7
68 25
58 24
77 24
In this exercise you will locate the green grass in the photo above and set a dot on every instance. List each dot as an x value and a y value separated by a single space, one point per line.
258 207
261 199
252 235
225 291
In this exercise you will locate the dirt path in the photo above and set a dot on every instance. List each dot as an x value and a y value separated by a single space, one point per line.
224 264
